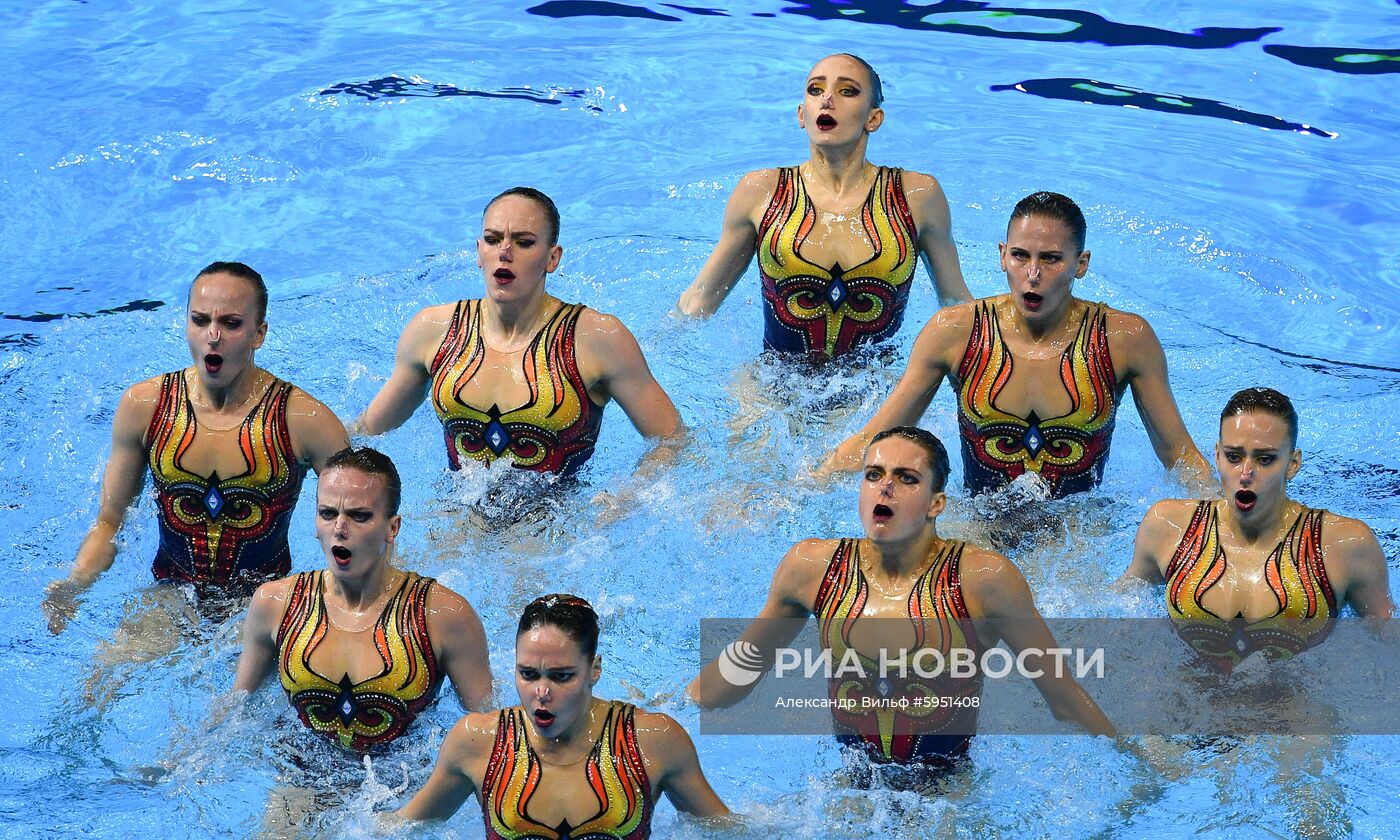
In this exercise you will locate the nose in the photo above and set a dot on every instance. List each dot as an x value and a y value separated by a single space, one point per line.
541 690
1033 271
505 251
215 334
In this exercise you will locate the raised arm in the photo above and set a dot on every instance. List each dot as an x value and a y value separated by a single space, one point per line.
789 603
259 656
929 363
666 742
619 371
408 384
460 642
737 240
998 596
934 222
1147 376
1363 567
122 481
317 433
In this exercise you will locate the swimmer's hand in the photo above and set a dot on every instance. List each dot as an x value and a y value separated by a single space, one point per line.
61 603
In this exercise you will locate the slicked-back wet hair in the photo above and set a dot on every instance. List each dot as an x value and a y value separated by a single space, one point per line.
927 441
545 202
1265 401
569 613
1052 205
877 88
370 462
243 272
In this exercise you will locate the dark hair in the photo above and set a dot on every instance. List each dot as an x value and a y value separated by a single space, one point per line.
925 440
545 202
1052 205
877 89
1265 401
370 462
569 613
243 272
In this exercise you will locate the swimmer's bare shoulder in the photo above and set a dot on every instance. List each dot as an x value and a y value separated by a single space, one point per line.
316 432
1356 565
738 239
940 345
426 330
1161 530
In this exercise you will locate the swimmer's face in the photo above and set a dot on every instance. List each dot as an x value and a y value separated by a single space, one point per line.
555 679
353 524
1041 261
222 328
1256 459
837 105
897 499
514 250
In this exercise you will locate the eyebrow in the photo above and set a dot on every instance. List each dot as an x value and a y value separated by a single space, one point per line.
485 231
838 78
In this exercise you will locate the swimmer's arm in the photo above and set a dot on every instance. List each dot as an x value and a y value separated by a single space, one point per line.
1364 569
681 779
1147 376
928 366
408 384
122 481
782 618
317 433
934 223
450 784
997 594
460 641
737 241
1157 529
623 375
260 635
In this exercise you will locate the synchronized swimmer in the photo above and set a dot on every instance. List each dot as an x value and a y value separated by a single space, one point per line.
362 647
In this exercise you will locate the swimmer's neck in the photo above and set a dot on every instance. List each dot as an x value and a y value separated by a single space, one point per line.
565 744
233 395
896 559
1048 325
359 593
1264 527
507 324
837 170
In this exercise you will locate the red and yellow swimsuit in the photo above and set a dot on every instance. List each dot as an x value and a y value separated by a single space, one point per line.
1307 607
229 533
824 312
557 427
374 711
615 769
905 722
1069 451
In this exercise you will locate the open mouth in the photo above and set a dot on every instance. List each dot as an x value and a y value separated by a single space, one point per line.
826 121
504 274
543 718
1032 300
213 362
341 555
1245 499
882 513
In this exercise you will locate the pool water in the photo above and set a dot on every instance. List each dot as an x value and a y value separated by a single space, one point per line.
1241 195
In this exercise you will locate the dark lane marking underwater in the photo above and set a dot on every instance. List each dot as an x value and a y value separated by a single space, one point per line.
43 317
1357 61
1084 27
392 87
1105 93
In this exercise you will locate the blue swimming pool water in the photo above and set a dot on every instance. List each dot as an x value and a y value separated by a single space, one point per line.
1237 165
